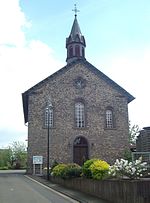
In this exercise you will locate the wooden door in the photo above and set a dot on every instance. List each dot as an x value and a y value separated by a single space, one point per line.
80 150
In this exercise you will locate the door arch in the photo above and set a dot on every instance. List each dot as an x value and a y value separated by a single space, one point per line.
80 150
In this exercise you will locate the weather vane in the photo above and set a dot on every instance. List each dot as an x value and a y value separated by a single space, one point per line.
75 10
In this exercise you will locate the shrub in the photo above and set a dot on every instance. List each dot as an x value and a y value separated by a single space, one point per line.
3 167
55 163
86 168
67 171
72 170
17 165
132 170
58 169
99 169
127 155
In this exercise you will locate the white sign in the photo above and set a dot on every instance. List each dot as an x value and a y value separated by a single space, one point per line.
37 159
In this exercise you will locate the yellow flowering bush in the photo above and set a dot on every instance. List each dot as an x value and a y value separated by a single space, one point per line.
99 169
66 171
86 168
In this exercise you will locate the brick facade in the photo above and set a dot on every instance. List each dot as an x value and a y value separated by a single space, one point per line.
99 93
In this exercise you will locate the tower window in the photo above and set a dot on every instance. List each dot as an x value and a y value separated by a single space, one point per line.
77 50
109 118
71 51
79 115
83 53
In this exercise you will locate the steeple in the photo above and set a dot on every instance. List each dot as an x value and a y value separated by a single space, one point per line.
75 43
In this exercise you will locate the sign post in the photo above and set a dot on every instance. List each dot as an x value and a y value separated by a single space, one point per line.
37 160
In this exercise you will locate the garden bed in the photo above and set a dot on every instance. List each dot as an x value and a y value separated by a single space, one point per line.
116 191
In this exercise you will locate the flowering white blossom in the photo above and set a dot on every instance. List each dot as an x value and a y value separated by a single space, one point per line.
132 170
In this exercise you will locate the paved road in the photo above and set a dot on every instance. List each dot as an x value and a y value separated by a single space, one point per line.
17 188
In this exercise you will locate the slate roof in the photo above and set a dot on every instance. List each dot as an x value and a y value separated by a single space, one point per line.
75 34
75 29
88 65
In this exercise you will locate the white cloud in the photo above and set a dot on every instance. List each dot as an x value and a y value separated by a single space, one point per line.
130 69
12 20
23 64
22 68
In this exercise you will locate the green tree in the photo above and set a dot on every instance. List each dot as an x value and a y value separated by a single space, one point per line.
5 158
133 133
19 155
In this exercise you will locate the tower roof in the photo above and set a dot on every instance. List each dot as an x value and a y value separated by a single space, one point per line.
75 34
75 43
75 29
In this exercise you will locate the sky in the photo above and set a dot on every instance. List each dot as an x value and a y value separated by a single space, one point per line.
32 47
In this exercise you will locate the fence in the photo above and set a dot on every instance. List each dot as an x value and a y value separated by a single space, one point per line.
114 191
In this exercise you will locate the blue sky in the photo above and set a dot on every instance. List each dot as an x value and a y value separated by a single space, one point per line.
32 46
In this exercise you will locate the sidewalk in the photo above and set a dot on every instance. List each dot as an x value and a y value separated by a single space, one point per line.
77 195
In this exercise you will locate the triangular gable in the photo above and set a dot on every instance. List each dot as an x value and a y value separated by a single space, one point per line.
110 82
63 70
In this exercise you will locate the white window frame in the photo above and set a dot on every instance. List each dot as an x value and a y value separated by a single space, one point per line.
109 118
80 115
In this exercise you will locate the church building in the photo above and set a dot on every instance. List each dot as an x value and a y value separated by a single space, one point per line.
77 113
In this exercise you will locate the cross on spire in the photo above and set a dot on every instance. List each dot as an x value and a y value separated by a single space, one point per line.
75 10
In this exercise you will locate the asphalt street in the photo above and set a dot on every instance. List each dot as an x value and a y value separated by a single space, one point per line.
17 188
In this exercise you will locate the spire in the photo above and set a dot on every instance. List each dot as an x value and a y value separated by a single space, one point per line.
75 43
75 29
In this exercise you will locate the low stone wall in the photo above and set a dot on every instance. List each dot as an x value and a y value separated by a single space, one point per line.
115 191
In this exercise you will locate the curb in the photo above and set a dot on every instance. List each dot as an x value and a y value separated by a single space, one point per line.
55 187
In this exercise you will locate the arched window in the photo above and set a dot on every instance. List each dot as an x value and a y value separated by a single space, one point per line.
77 50
71 51
79 115
49 117
109 118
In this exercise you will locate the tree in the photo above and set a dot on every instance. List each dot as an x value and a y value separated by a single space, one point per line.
5 158
19 154
133 133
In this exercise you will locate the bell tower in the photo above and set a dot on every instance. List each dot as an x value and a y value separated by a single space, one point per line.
75 43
